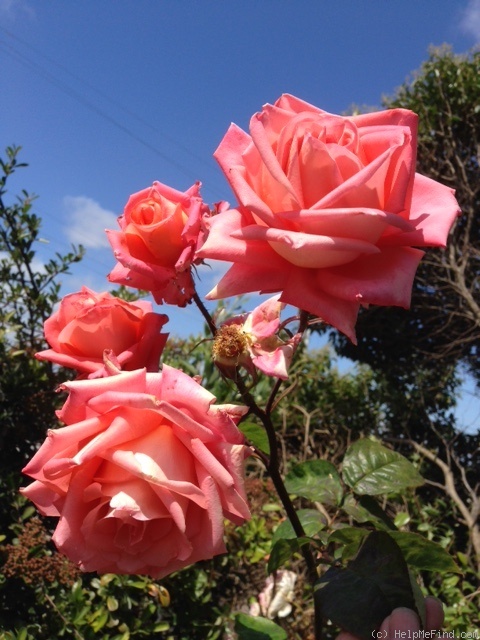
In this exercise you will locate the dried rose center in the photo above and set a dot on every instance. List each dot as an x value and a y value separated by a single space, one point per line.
230 343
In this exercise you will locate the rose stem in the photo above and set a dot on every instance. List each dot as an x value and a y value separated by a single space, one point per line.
205 314
272 463
273 468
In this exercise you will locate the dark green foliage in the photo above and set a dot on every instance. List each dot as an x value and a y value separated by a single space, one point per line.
28 293
360 596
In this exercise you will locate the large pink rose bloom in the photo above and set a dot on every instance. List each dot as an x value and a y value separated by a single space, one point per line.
143 475
330 210
159 232
89 330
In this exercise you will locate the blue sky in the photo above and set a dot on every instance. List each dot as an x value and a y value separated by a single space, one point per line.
106 96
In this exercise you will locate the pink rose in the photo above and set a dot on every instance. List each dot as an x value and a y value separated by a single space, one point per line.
330 208
143 475
251 340
90 330
160 231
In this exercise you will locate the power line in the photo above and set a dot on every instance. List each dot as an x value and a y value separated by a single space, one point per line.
107 97
54 80
27 62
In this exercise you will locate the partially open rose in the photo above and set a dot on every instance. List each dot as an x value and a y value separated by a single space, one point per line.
160 230
143 475
89 329
330 210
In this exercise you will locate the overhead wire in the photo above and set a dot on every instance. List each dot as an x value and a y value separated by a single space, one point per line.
35 67
27 62
108 98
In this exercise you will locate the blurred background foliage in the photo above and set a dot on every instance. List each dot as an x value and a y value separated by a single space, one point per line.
400 387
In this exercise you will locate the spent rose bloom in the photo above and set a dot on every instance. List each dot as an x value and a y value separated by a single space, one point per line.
277 596
160 230
143 475
90 329
251 340
330 209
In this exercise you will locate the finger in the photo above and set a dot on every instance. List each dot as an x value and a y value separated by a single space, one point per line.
345 635
434 613
402 619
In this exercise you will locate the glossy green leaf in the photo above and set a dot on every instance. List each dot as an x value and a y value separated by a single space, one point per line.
311 520
370 468
359 597
256 435
257 628
423 554
317 480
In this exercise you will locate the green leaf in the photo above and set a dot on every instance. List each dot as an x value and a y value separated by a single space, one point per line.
419 599
359 597
283 550
311 520
256 628
462 557
317 480
370 468
100 619
351 538
27 512
401 519
367 509
256 435
271 506
423 554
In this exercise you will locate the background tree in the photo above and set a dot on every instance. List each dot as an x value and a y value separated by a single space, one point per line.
442 328
418 353
28 292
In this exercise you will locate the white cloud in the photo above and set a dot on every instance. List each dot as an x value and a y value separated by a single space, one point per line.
470 19
12 9
88 221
